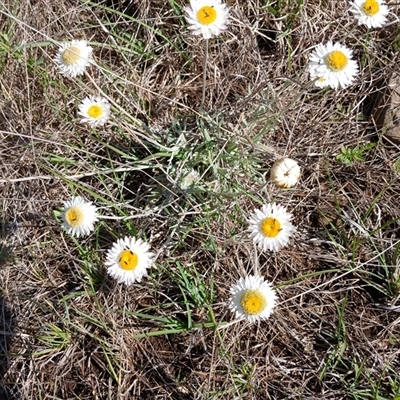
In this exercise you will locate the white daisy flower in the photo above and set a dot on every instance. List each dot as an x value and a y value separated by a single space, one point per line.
332 65
95 111
371 13
270 227
73 58
79 216
252 298
128 260
285 172
207 17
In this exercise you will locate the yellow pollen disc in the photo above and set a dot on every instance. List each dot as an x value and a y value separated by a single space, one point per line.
337 61
370 7
206 15
95 111
270 227
253 302
128 260
71 55
74 216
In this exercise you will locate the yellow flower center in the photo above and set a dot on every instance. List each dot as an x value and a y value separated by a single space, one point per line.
74 216
128 260
71 55
270 227
370 7
206 15
253 302
336 60
95 111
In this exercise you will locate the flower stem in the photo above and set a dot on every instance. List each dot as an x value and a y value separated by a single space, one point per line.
204 76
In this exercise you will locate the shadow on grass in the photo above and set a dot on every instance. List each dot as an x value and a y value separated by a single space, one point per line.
7 389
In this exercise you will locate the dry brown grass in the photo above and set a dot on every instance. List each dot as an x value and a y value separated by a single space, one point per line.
69 332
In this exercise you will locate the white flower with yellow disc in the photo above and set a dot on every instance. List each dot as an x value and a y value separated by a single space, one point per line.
252 298
207 17
128 260
371 13
270 227
95 111
73 58
332 65
79 216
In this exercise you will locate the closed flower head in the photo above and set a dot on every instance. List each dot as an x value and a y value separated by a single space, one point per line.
188 179
285 173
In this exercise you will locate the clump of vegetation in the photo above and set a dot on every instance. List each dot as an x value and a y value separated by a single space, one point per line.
350 155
